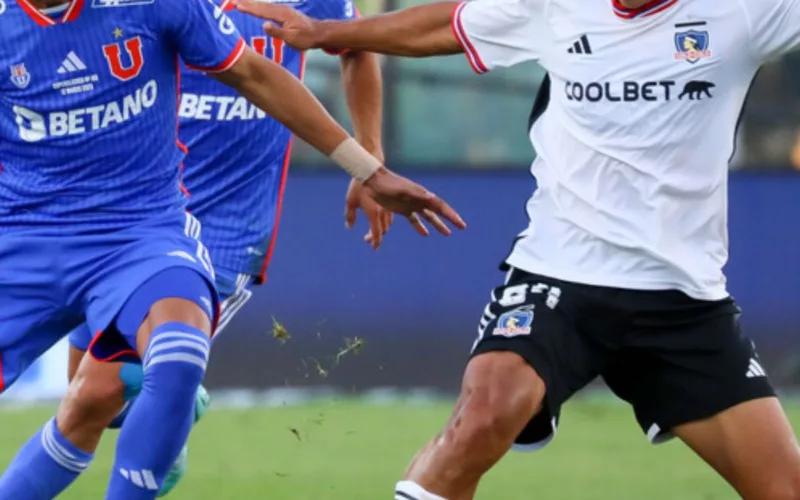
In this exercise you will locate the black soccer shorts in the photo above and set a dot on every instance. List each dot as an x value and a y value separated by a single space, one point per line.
675 359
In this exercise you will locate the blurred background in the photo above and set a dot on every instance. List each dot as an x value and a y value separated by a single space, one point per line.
347 360
405 316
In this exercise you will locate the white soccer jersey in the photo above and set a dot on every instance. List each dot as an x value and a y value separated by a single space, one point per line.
634 144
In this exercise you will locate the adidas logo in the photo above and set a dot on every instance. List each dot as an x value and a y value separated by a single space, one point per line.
141 478
581 46
755 369
71 64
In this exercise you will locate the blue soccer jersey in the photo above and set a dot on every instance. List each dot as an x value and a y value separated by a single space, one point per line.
88 113
238 157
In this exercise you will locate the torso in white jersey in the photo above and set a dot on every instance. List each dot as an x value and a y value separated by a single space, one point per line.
634 144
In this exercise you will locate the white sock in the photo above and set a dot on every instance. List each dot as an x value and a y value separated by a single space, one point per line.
409 490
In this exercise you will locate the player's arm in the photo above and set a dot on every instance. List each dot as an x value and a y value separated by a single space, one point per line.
419 31
363 87
282 96
492 33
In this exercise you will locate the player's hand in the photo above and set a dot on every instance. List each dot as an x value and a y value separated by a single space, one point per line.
402 196
284 22
379 218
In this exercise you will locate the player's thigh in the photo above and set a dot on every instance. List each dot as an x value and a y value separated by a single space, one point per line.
162 273
538 344
685 360
752 445
32 318
234 293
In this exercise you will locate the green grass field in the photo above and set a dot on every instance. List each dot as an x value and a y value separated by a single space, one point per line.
355 451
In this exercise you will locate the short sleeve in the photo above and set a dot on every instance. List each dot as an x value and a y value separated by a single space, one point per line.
206 38
774 25
500 33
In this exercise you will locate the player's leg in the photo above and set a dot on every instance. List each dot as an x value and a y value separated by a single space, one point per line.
94 397
32 322
528 360
173 342
752 446
691 373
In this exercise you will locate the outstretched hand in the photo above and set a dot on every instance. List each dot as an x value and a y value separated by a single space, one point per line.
379 218
284 22
402 196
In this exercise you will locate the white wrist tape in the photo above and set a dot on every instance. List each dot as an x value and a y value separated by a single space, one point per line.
355 160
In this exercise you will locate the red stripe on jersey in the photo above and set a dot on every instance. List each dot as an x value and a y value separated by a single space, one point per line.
38 16
73 11
227 6
648 9
178 142
228 63
42 19
262 276
116 355
2 380
473 57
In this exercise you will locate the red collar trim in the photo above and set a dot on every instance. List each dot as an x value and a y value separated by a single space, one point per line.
650 8
227 5
42 19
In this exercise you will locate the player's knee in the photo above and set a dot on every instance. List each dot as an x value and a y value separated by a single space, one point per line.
176 360
501 393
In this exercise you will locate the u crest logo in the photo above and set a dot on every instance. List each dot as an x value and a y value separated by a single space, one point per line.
122 71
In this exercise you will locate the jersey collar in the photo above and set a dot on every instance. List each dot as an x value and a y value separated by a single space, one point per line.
650 8
42 19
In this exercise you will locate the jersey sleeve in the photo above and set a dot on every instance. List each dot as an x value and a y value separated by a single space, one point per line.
206 38
500 33
774 26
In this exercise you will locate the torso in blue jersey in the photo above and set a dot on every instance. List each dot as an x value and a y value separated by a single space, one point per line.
236 166
88 106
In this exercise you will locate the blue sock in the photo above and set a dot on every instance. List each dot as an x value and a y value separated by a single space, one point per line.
158 424
44 467
132 376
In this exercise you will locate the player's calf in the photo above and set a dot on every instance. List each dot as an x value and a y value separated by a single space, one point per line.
94 399
158 425
500 394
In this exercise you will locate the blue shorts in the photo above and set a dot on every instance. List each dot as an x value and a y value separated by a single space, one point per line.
234 292
52 281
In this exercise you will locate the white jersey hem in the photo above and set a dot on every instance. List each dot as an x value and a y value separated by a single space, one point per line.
550 271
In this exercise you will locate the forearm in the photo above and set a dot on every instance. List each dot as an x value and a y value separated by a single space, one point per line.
419 31
363 86
282 96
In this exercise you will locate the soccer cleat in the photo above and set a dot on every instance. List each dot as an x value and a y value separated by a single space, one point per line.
178 470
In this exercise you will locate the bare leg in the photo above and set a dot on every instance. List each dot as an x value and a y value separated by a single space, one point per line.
94 397
499 396
752 446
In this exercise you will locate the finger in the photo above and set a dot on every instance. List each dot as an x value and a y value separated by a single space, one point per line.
368 237
350 214
264 10
375 229
387 220
436 222
440 207
274 30
417 224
